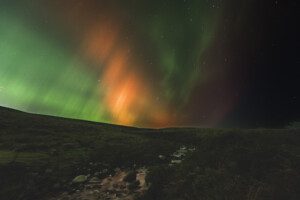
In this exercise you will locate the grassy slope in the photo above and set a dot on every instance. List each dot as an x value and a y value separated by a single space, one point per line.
39 155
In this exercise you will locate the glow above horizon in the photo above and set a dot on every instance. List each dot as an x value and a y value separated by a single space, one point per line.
109 62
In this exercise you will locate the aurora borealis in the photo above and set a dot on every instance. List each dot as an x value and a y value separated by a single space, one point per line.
139 63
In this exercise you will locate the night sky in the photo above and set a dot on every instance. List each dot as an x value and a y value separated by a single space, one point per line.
158 63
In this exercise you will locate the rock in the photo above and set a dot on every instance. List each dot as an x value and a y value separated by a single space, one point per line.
80 179
176 161
192 149
94 180
183 147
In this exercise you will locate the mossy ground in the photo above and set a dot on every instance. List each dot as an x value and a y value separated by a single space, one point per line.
40 155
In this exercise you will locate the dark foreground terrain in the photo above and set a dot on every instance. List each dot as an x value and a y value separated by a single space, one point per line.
53 158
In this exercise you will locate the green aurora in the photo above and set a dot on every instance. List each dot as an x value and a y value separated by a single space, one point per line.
44 68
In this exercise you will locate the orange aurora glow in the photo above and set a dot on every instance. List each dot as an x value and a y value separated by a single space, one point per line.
128 98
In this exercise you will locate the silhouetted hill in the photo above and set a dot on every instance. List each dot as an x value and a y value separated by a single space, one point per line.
40 155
